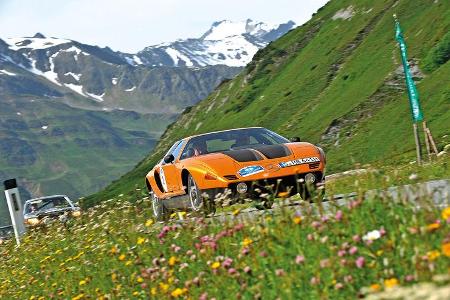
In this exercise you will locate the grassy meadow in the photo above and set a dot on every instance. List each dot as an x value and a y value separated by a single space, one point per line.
366 248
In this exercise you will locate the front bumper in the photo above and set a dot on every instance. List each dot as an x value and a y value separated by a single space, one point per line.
291 184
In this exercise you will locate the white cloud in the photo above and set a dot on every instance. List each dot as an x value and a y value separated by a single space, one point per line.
130 25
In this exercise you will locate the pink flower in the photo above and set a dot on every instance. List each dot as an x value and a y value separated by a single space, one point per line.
189 252
280 272
409 278
382 231
338 286
324 239
348 278
343 262
247 270
338 215
315 224
203 296
245 251
324 219
299 259
232 271
324 263
310 237
227 262
315 280
353 250
263 254
360 261
356 238
341 253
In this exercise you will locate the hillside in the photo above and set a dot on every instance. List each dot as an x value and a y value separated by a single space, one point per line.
335 81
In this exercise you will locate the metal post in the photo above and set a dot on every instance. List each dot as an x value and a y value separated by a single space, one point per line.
427 142
418 150
15 208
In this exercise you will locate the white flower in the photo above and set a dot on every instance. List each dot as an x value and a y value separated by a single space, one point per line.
372 235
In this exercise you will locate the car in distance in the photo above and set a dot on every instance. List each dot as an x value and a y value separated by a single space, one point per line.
242 161
36 211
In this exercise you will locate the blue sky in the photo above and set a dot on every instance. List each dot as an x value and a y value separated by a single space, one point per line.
131 25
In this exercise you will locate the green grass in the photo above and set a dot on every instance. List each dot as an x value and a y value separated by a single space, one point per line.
331 72
116 251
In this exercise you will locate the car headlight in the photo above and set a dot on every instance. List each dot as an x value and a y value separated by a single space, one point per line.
250 170
32 221
76 213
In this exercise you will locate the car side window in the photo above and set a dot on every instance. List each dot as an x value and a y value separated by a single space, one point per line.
172 150
177 149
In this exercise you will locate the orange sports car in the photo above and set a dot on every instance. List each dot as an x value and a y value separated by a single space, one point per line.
244 162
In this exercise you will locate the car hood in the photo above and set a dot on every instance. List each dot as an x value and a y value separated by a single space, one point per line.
229 162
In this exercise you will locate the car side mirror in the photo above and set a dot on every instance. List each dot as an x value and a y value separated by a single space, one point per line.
295 139
169 158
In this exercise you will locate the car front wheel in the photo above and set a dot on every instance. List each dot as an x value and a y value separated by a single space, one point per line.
196 200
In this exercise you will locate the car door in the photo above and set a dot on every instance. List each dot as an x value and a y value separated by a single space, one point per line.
168 172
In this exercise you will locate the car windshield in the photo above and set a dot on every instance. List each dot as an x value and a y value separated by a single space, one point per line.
40 205
231 140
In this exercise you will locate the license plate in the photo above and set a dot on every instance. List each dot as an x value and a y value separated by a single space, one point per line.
299 161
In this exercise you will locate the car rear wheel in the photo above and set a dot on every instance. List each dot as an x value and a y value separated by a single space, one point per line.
196 200
160 212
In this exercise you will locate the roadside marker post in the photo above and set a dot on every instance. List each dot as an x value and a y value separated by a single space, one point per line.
15 208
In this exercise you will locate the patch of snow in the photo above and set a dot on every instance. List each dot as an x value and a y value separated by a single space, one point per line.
98 98
114 81
50 75
34 43
344 14
76 76
44 127
131 89
7 73
176 56
137 60
18 113
76 88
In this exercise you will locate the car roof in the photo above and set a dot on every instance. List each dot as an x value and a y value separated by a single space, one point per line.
219 131
45 197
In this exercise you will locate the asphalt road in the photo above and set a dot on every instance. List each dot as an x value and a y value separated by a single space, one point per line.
437 190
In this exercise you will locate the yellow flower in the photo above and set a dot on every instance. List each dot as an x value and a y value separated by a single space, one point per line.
129 262
433 226
153 291
164 287
297 220
236 212
283 194
135 293
140 279
215 265
247 242
149 223
113 276
446 213
78 297
82 282
446 249
122 257
375 287
114 250
390 283
432 255
172 261
178 292
380 252
140 240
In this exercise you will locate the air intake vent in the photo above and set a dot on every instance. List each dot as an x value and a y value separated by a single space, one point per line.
314 165
231 177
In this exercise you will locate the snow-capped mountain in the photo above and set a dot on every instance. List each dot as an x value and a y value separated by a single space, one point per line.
225 43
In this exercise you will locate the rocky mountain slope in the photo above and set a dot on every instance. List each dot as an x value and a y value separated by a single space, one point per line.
74 117
225 43
335 81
